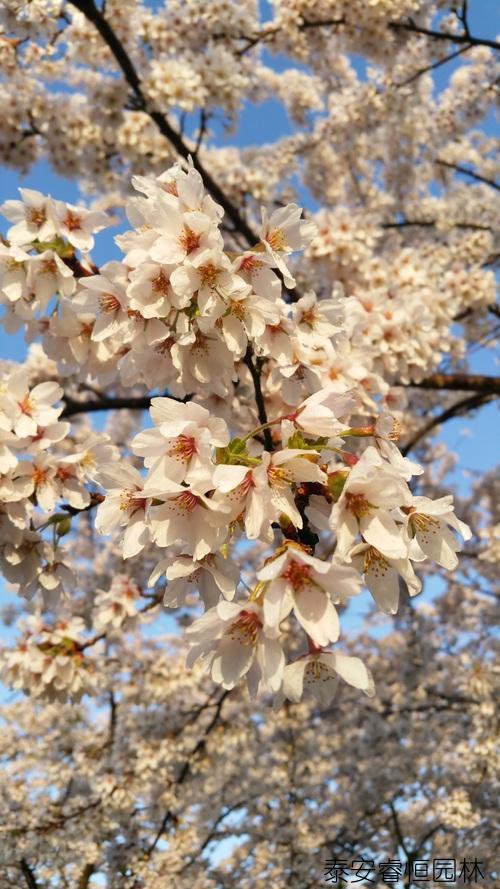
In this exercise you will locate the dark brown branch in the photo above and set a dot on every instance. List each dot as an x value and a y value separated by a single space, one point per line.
28 874
85 876
430 223
72 407
184 772
460 382
456 410
467 172
434 65
465 37
259 397
93 15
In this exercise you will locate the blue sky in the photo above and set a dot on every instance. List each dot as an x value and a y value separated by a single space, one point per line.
474 441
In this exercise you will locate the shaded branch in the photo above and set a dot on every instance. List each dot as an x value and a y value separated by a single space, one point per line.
430 223
85 876
460 407
28 874
465 37
466 172
93 15
72 407
184 772
434 65
459 382
259 397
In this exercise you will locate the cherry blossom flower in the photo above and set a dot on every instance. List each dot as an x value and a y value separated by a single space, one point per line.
296 580
231 641
187 516
211 576
28 409
428 522
125 505
318 674
381 575
282 233
78 225
371 490
33 218
319 414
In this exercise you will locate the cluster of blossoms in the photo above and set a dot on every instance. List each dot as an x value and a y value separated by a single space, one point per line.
41 468
181 312
49 662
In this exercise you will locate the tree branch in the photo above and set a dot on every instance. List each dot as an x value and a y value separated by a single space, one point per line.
28 874
434 65
465 37
467 172
460 407
93 15
85 876
169 815
459 382
259 398
72 407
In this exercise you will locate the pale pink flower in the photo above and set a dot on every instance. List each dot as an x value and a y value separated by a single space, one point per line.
296 580
318 674
231 641
371 491
32 217
382 575
212 577
284 232
125 506
428 523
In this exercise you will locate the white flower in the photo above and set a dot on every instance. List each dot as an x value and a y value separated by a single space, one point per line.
188 517
295 580
47 275
150 291
371 490
106 299
319 414
32 217
180 448
244 492
381 575
231 641
117 605
286 467
318 673
125 504
427 523
283 233
29 409
211 576
77 224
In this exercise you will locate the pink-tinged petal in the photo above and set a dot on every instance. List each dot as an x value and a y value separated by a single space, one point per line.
226 478
273 568
352 670
383 582
346 528
439 544
228 610
136 536
255 515
271 661
293 680
231 661
108 516
277 604
379 529
317 615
